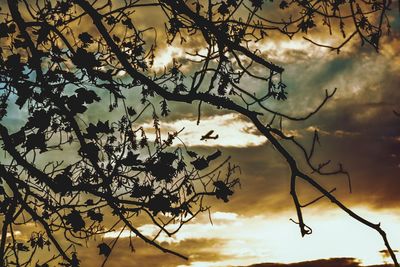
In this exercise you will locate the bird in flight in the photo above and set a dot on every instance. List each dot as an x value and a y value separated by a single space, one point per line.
209 136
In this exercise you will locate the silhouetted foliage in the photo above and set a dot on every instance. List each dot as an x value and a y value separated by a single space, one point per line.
68 172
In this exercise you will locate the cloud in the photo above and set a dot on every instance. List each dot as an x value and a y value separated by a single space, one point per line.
15 233
333 262
232 131
291 51
165 56
338 133
245 240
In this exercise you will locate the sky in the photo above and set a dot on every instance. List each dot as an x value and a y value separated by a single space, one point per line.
357 128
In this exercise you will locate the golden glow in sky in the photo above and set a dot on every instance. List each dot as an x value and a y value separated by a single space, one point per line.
258 239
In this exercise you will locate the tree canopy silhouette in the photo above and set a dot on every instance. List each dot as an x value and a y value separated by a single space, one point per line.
60 58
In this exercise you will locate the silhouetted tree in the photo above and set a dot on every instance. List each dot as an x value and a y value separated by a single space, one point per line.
61 58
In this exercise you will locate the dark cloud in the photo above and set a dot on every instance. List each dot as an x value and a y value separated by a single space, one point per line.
146 255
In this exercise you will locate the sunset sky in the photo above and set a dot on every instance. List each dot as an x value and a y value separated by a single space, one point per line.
357 128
